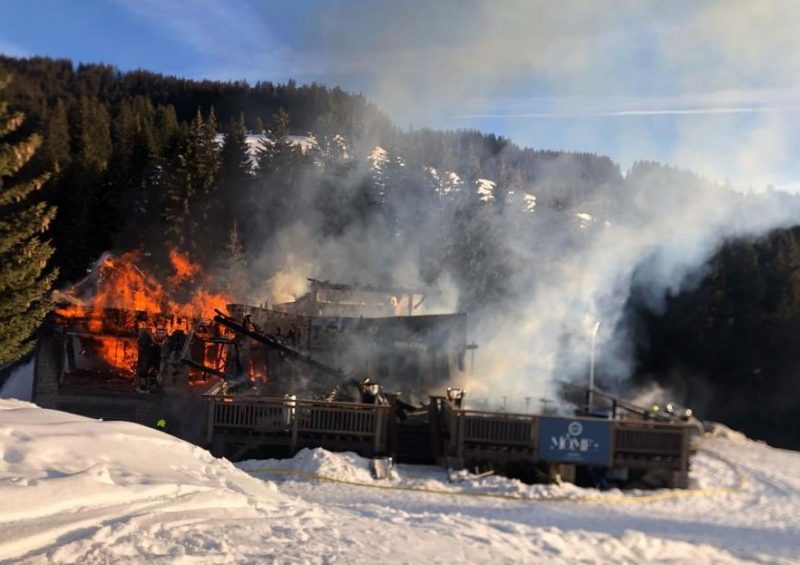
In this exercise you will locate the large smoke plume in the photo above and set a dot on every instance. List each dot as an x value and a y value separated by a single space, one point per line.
713 91
571 267
523 65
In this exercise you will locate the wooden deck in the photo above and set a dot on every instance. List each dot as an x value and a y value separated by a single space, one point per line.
236 424
456 438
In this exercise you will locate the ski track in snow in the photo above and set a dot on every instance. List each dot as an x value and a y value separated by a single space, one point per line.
76 490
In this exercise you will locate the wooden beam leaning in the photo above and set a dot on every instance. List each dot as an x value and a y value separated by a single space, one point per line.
226 321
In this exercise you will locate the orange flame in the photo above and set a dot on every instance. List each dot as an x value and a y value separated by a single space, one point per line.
185 270
123 286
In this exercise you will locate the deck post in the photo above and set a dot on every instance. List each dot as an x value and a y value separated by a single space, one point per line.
295 424
435 416
379 414
683 479
458 415
212 404
613 446
391 426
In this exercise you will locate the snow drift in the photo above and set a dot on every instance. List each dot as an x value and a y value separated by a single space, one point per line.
77 490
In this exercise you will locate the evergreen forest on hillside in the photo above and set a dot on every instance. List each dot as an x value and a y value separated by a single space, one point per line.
139 160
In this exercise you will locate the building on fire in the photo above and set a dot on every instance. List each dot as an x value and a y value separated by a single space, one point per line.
344 367
143 366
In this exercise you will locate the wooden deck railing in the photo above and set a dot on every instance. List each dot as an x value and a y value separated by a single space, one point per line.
472 431
332 425
251 415
667 443
461 434
507 430
645 439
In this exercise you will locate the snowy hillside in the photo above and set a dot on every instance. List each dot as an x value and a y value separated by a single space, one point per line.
75 490
256 140
445 184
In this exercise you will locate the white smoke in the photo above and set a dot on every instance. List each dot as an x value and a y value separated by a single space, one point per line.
725 72
660 238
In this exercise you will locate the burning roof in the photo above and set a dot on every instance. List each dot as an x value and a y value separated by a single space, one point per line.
138 327
118 282
119 298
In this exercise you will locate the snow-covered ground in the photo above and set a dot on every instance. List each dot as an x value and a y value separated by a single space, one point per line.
75 490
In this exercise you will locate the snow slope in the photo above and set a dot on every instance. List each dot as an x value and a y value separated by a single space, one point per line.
80 490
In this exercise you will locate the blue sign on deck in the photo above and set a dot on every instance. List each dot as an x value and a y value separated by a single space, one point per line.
565 440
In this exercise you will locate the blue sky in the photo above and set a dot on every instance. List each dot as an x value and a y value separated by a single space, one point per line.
713 86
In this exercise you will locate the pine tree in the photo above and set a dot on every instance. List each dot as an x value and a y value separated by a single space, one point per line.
275 150
280 165
236 266
167 132
236 165
259 126
168 136
98 212
94 140
24 284
56 146
235 175
335 170
190 192
782 277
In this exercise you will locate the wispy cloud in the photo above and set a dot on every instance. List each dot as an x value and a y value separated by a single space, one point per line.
629 113
12 49
232 38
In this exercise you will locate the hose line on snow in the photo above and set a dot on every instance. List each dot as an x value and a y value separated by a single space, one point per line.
623 499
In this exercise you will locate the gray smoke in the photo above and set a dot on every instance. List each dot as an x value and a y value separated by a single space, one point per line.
659 241
572 267
727 68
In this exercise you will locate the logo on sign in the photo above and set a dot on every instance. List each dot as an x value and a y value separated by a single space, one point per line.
575 441
572 442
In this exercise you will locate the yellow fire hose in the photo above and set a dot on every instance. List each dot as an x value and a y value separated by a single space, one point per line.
624 499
